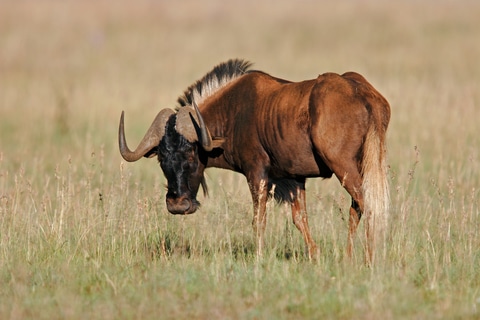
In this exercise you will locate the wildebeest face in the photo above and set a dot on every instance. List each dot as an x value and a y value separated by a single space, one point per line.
179 160
181 140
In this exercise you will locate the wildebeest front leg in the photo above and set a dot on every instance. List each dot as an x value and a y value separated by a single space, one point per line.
300 219
259 196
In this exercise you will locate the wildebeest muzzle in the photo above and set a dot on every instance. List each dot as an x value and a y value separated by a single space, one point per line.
181 205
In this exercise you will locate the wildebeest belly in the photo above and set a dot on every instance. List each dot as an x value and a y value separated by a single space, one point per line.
296 159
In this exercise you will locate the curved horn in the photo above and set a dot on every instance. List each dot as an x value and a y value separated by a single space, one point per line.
206 138
150 140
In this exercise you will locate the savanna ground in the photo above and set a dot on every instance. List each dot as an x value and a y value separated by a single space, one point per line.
84 235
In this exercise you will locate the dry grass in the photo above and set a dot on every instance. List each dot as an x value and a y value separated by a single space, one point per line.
85 235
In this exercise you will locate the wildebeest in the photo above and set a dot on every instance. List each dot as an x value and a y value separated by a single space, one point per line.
277 133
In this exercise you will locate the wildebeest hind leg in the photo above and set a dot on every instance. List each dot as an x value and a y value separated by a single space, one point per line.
353 221
351 180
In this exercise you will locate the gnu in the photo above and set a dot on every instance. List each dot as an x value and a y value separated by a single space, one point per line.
277 133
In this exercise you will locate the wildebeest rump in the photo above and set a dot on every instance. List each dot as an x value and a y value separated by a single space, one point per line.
276 133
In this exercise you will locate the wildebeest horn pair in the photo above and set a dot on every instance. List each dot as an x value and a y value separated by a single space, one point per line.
191 126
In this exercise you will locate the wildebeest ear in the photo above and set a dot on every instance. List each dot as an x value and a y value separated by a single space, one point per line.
217 142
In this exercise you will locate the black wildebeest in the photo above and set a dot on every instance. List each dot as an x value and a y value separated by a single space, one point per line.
276 133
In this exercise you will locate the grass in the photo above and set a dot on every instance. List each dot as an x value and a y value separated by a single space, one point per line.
85 235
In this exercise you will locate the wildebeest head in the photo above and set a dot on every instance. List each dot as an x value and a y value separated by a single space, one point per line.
181 141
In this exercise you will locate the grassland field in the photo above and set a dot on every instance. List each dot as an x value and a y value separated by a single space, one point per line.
85 235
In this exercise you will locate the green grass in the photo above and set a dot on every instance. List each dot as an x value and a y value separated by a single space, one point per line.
85 235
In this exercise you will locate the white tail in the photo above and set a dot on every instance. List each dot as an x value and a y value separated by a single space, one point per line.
375 193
